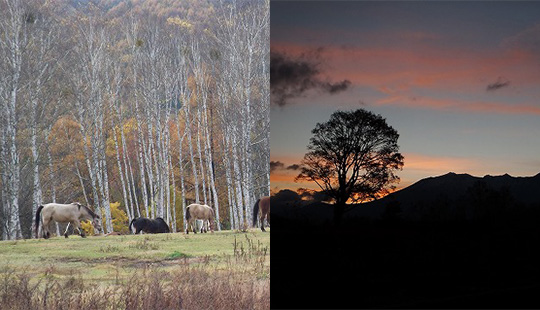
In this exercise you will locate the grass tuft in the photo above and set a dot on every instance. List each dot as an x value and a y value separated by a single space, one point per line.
176 255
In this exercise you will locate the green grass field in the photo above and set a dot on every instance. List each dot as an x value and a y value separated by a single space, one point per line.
110 263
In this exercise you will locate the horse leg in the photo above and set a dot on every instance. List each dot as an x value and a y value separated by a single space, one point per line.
198 226
189 223
203 226
45 228
261 219
77 224
66 232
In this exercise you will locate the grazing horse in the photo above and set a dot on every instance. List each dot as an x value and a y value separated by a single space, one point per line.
264 205
71 213
196 211
149 226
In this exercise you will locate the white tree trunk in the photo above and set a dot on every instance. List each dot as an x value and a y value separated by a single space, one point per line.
203 178
37 195
191 157
14 40
173 226
121 173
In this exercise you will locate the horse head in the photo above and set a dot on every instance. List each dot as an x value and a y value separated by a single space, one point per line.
96 219
96 222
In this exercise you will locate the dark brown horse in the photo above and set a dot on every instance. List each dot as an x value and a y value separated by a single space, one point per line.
264 205
149 226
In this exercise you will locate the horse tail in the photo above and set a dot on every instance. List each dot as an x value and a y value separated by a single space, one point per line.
255 211
188 215
38 212
131 224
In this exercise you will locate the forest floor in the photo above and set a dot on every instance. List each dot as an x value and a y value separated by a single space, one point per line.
212 270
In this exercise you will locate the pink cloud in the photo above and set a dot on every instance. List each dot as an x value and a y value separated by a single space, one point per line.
461 105
441 69
401 76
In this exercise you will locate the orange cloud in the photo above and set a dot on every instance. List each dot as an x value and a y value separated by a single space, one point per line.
437 164
279 181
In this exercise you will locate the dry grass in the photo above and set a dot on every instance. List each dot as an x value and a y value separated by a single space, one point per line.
149 289
191 283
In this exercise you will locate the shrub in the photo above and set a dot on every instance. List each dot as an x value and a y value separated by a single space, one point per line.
119 220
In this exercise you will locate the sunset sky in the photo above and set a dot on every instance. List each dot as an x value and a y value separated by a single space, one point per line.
459 81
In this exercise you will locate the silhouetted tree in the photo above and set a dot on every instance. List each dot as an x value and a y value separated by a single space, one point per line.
352 156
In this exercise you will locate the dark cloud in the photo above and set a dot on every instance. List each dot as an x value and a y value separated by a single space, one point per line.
291 77
293 167
500 83
337 87
276 165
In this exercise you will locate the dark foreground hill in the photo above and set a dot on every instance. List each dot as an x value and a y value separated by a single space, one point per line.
453 241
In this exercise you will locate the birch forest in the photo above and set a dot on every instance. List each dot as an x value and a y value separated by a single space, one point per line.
150 104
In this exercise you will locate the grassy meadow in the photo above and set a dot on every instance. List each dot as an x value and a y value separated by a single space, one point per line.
221 270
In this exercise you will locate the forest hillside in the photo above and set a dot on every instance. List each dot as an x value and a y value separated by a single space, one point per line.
152 104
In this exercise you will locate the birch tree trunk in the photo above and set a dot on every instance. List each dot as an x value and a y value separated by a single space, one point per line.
202 91
193 165
181 167
14 38
114 105
88 79
203 179
132 196
174 195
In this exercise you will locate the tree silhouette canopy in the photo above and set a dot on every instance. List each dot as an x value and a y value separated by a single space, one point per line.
352 156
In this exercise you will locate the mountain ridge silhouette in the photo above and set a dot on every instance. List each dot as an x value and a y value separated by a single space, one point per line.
420 200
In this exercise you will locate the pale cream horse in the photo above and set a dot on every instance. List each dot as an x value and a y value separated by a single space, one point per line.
196 211
72 213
